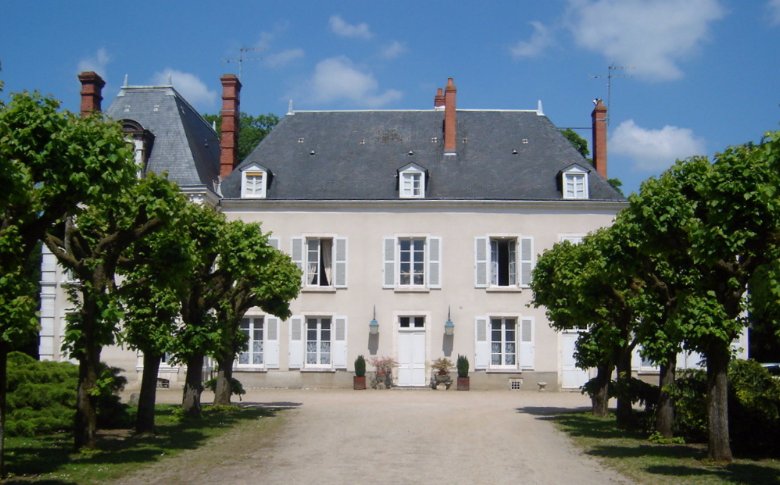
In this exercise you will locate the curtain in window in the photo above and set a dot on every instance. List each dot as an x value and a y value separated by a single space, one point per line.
326 247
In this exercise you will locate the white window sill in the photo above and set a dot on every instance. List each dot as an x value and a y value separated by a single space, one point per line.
250 369
318 289
412 289
504 289
315 370
504 371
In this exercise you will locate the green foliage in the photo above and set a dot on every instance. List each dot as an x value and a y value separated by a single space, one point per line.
689 392
252 130
236 387
578 142
442 364
638 391
463 366
658 439
360 366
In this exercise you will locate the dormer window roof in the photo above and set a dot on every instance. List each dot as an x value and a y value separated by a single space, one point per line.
411 181
254 181
574 182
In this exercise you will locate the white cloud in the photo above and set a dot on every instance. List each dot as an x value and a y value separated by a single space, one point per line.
97 63
192 88
654 150
393 50
540 40
340 27
337 79
774 11
283 58
651 35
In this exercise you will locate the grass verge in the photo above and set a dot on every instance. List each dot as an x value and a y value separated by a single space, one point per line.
633 455
50 460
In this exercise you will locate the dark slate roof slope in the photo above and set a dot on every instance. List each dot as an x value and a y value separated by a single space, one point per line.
355 155
185 145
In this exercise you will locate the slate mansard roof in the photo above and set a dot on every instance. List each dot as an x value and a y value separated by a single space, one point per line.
356 155
184 145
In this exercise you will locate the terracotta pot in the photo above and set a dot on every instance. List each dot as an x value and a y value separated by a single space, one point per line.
463 383
442 372
359 383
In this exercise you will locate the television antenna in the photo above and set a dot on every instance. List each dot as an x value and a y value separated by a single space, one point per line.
609 76
241 59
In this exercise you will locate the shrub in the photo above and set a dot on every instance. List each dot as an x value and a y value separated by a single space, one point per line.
442 364
689 391
463 366
360 366
236 388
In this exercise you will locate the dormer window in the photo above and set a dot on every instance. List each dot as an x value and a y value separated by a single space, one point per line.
412 182
254 180
575 183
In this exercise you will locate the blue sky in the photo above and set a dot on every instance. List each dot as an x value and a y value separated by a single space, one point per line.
705 73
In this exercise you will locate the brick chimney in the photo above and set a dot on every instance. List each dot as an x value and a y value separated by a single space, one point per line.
231 88
438 101
599 117
450 121
91 92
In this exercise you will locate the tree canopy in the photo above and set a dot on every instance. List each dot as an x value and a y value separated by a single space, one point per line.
252 130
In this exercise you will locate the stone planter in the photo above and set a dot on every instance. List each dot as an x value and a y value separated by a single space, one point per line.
463 383
359 383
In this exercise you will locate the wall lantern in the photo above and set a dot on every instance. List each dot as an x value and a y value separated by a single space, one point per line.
373 327
449 327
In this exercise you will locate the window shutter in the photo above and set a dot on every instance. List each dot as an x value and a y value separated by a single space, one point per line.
481 343
340 344
296 254
434 262
273 242
526 260
340 263
527 343
481 262
296 342
271 342
388 258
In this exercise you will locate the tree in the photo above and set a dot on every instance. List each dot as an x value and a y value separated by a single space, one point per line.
50 162
252 130
94 243
718 223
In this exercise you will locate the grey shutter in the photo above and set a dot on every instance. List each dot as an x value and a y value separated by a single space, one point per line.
481 262
481 343
340 262
434 262
296 254
527 343
388 259
526 260
273 242
297 334
271 342
340 343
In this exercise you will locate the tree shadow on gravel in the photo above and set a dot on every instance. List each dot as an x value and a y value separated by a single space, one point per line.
548 413
271 406
737 473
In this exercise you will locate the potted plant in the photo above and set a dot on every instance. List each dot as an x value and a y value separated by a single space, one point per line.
442 365
384 370
359 381
463 373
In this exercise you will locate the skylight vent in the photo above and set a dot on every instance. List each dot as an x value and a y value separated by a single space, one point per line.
525 141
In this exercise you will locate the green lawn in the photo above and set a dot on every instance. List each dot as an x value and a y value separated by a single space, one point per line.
50 459
633 455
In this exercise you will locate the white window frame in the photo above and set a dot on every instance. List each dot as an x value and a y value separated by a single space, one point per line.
319 351
572 238
249 182
393 264
524 343
575 183
252 329
519 264
301 251
411 183
503 351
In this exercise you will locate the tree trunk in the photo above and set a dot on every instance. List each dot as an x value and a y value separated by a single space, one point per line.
664 414
3 394
719 448
624 406
224 378
193 387
85 435
600 396
144 419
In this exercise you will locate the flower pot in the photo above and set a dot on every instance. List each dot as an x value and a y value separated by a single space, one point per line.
463 383
359 383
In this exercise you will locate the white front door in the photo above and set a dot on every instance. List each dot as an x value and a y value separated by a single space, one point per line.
571 376
411 352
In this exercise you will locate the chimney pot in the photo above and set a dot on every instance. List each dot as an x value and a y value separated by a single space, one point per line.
438 101
228 156
599 118
91 92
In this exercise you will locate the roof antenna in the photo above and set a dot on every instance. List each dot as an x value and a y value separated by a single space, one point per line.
609 77
290 109
241 59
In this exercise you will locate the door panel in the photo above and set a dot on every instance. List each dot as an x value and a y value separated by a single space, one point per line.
571 376
411 359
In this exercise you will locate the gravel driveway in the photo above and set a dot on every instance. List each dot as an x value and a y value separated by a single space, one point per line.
389 437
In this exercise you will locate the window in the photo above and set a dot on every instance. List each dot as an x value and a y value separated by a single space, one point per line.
411 322
575 183
572 239
253 182
323 261
504 343
412 262
412 182
503 351
252 328
503 261
318 335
